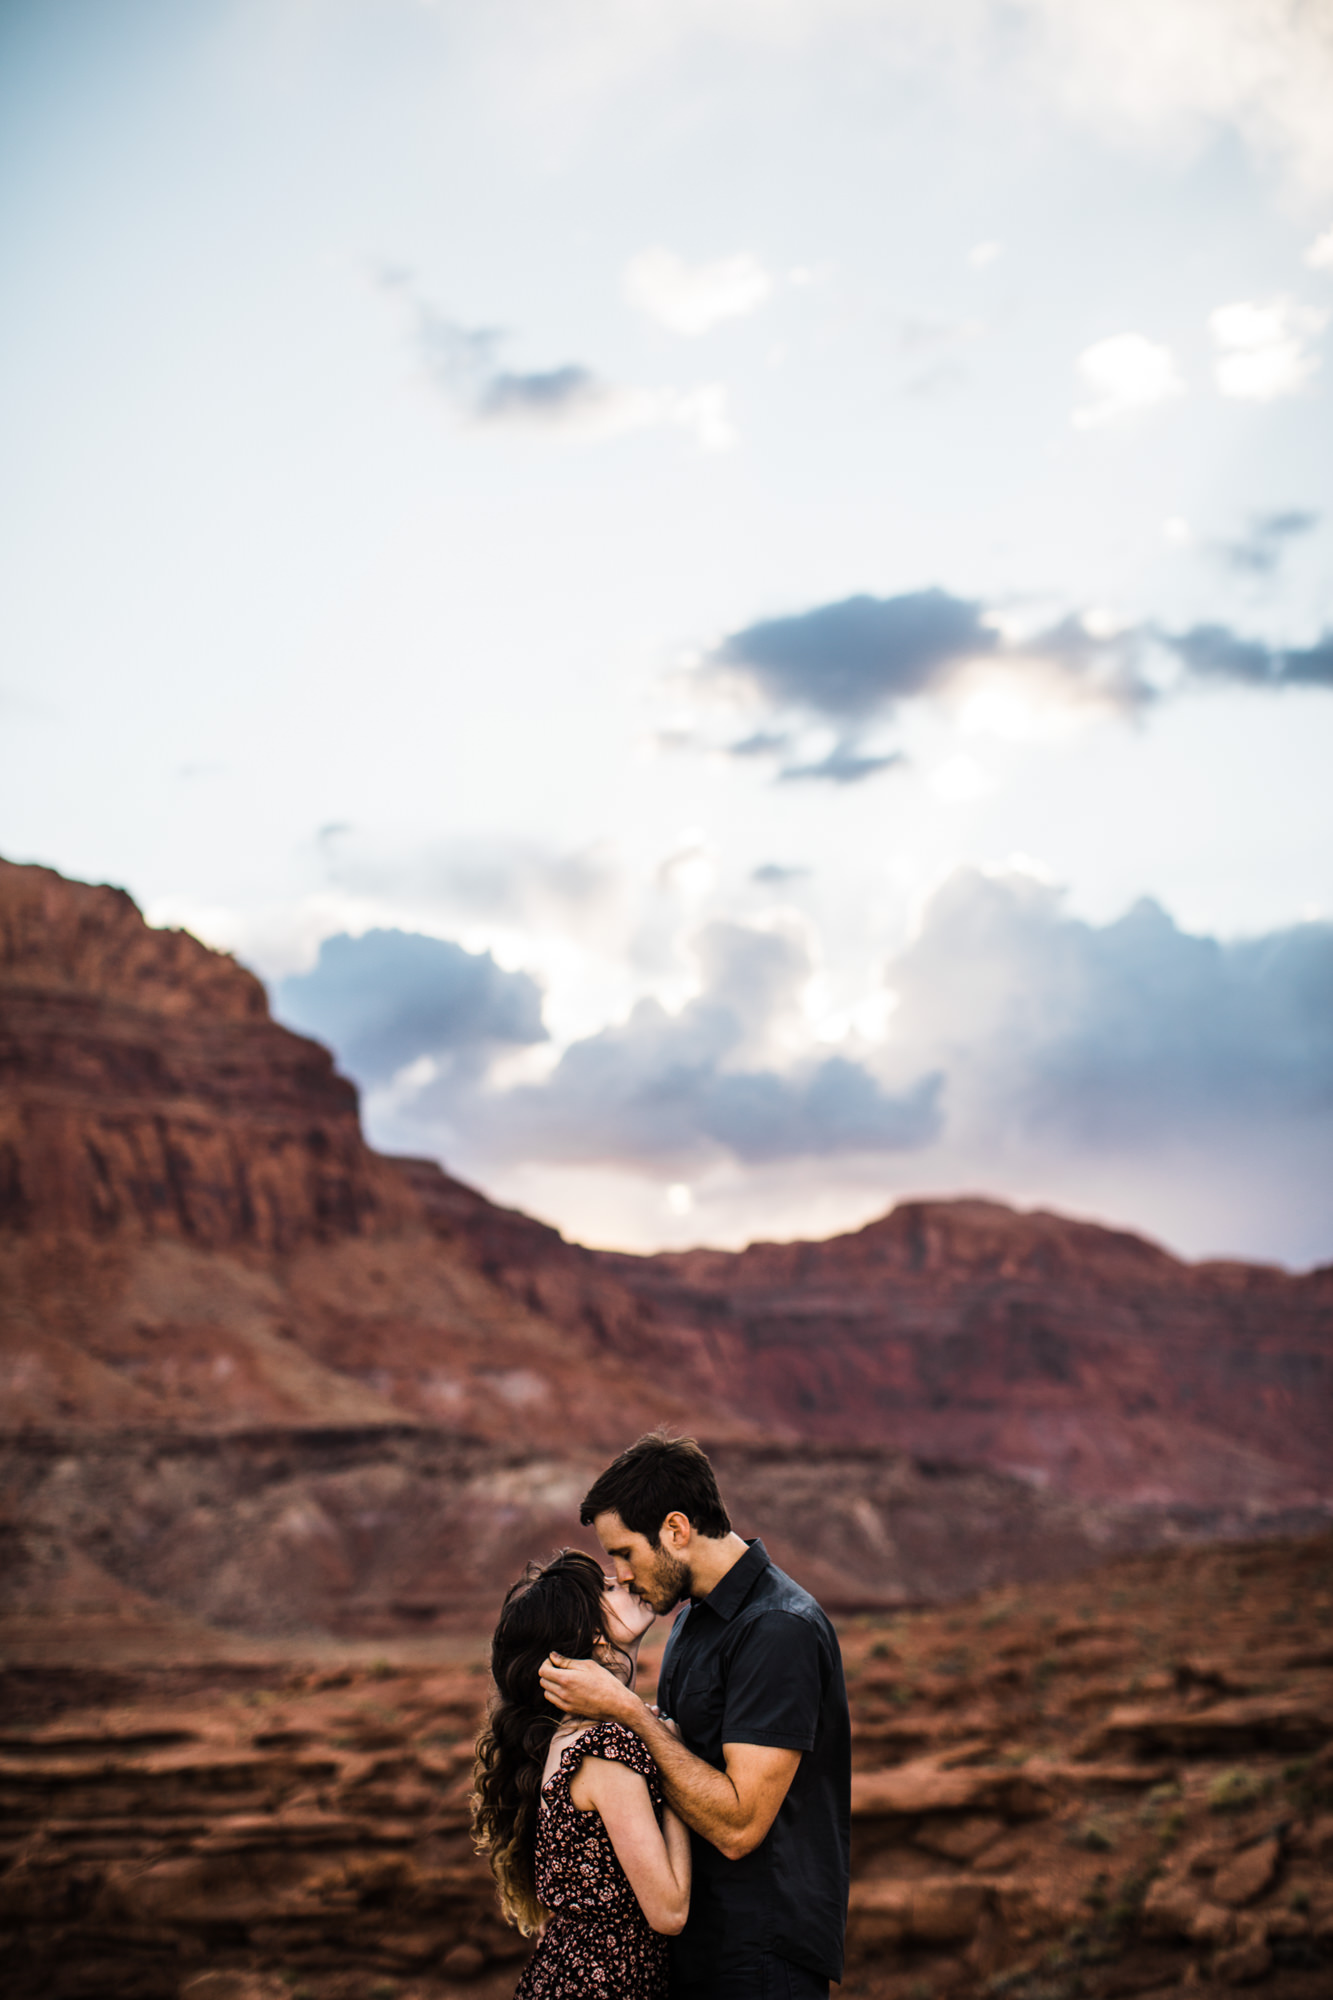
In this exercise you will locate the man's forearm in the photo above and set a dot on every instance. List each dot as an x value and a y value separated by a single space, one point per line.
704 1797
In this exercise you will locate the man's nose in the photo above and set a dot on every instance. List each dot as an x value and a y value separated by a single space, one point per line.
624 1572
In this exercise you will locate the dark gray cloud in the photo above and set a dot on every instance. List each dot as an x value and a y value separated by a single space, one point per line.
1217 652
1259 551
1060 1035
384 999
1309 666
844 765
856 658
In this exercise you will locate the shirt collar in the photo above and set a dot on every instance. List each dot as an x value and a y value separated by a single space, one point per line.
727 1596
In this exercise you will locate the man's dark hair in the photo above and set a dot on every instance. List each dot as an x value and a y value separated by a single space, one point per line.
658 1476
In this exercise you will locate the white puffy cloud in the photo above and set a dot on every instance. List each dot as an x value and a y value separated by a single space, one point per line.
1263 348
688 298
1319 256
1124 374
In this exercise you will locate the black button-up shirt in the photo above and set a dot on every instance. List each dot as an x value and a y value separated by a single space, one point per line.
756 1661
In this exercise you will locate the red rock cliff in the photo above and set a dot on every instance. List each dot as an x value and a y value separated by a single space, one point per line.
146 1090
194 1229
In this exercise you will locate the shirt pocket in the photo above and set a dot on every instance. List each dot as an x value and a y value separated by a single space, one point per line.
700 1698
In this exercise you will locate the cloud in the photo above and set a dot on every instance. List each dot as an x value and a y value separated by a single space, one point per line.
1319 256
520 884
1216 652
775 875
671 1093
854 658
1021 1048
569 401
690 299
1059 1036
667 1094
1167 74
844 765
1263 349
389 998
1124 374
982 255
856 661
1173 71
1259 552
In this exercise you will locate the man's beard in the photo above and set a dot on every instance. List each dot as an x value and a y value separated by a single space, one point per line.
672 1580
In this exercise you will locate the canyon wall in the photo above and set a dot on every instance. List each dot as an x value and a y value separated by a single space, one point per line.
227 1324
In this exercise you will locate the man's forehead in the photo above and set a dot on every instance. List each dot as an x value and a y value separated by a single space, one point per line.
612 1533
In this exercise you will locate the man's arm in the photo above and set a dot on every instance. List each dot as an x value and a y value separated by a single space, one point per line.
733 1808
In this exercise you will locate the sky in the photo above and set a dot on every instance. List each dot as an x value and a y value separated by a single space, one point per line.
733 602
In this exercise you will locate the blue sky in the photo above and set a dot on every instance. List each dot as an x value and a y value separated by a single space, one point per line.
732 601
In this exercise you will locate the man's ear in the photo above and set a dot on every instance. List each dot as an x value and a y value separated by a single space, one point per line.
676 1532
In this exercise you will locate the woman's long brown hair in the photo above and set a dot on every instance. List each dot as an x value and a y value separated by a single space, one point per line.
555 1607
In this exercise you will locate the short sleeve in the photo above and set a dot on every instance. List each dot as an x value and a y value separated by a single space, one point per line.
775 1683
619 1745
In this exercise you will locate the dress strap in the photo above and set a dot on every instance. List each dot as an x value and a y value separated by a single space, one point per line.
618 1745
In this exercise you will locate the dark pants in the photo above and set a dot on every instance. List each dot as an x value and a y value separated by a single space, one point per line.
767 1977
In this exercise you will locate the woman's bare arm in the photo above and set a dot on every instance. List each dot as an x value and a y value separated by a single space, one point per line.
656 1860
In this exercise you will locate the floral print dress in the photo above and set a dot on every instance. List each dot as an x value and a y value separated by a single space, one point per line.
597 1944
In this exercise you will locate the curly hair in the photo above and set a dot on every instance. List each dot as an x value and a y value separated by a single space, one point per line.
555 1607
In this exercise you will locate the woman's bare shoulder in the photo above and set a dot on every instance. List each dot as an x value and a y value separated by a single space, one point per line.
565 1737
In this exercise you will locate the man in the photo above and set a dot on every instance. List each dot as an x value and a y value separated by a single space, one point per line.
761 1770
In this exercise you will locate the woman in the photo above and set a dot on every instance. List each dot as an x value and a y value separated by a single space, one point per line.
581 1843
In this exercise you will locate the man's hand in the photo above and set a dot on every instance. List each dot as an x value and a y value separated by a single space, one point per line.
582 1687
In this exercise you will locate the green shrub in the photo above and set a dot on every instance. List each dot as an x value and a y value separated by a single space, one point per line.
1234 1790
